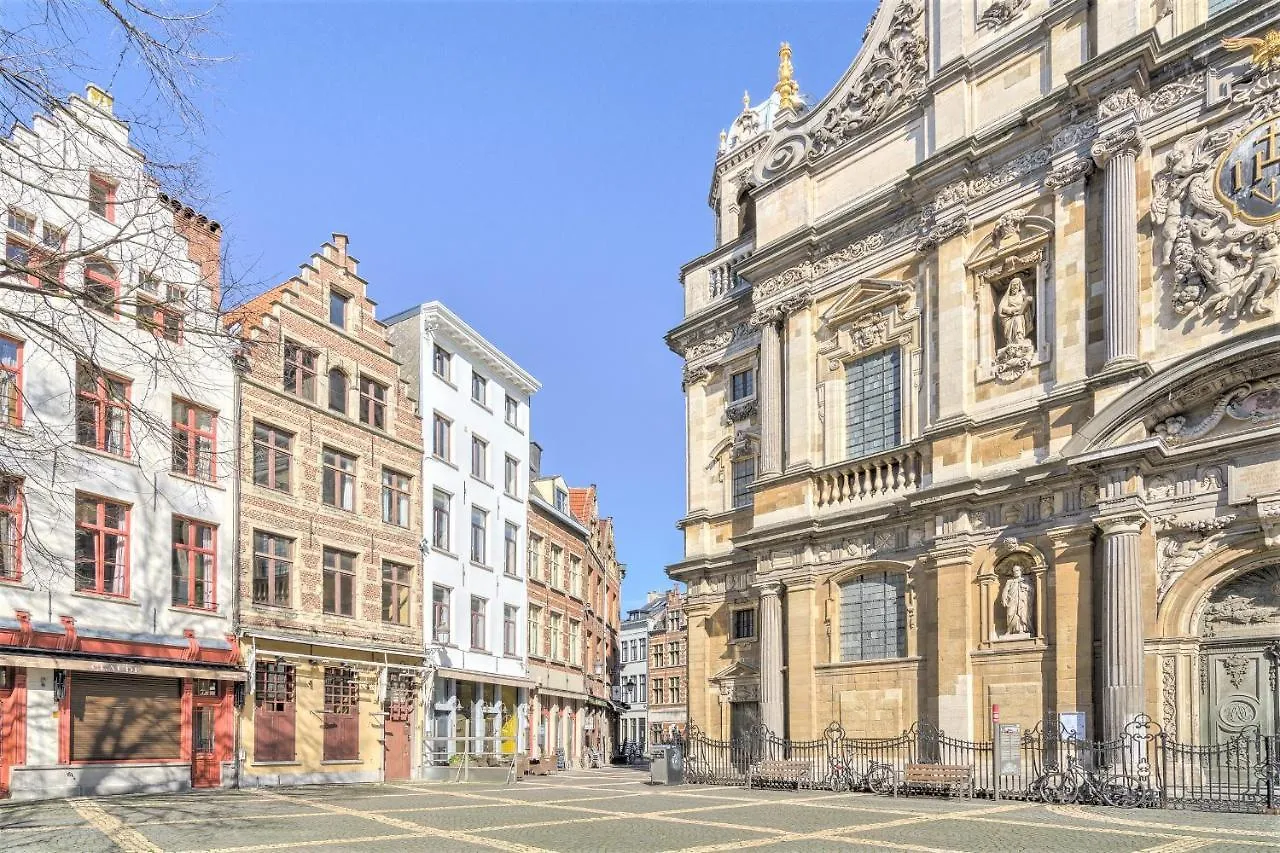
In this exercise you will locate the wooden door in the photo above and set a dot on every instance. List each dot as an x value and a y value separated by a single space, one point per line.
206 768
397 728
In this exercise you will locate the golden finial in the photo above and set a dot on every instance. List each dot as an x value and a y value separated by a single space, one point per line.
724 137
787 88
746 100
1265 51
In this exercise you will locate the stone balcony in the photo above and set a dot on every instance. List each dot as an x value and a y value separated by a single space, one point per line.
869 479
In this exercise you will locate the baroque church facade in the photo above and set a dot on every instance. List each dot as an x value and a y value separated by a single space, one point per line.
983 380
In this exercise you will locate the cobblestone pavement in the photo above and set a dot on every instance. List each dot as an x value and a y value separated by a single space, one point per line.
603 810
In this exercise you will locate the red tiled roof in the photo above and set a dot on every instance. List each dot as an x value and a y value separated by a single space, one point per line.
580 501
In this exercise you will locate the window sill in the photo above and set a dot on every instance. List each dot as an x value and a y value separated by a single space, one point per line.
744 640
204 611
479 565
274 763
481 480
331 761
445 379
106 454
272 605
199 481
513 575
272 489
15 583
484 406
477 649
444 461
445 553
105 596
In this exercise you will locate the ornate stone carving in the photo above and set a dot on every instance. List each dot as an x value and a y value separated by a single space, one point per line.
739 411
894 76
1001 13
940 231
1255 402
1190 542
780 309
1015 319
1247 604
1236 667
695 374
1268 510
1066 174
1169 695
1122 100
1117 141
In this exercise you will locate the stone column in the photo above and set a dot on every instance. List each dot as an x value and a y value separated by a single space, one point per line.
771 685
1120 681
771 396
1117 154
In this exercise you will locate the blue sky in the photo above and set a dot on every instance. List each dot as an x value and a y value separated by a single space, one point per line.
541 168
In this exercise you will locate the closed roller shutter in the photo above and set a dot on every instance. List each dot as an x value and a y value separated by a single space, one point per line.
115 718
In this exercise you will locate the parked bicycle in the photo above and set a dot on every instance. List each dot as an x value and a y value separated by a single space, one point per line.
1078 784
878 778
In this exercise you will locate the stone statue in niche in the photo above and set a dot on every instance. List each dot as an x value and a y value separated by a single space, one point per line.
1015 328
1016 598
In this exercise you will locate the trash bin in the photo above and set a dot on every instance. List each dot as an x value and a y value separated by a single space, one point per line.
666 765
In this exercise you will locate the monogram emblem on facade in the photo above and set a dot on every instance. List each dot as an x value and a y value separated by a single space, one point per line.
1248 176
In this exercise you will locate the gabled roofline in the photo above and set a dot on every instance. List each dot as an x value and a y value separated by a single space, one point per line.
476 344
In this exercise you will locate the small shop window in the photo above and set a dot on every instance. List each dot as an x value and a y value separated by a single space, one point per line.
206 687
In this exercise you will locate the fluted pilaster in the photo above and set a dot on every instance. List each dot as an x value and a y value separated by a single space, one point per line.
1120 680
771 684
771 397
1117 154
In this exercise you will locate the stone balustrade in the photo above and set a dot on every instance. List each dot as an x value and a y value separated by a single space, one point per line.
871 478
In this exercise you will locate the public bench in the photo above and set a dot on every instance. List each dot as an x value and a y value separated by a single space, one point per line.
951 777
790 772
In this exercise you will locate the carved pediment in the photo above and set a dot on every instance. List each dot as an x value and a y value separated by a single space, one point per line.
1017 240
865 296
736 670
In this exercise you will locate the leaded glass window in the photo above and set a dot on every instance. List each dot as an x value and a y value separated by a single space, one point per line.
873 617
873 404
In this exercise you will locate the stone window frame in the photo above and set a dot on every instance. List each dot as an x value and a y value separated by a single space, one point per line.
990 582
755 624
996 259
872 315
831 619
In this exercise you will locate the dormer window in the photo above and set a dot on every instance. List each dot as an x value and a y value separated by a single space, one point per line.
562 501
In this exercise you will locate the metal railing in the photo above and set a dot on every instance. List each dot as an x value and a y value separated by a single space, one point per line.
1142 767
468 752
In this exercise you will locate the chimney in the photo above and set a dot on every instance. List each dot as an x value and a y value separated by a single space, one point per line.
99 98
535 461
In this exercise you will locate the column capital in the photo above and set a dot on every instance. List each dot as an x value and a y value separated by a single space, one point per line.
1068 172
1117 524
778 311
771 589
1124 140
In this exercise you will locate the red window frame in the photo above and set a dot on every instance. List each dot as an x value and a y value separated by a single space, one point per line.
95 279
103 401
333 565
107 188
373 403
340 469
299 377
187 435
11 520
154 315
268 438
397 499
99 529
397 593
266 554
13 400
188 550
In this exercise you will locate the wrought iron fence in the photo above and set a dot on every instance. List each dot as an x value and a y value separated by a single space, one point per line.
1143 767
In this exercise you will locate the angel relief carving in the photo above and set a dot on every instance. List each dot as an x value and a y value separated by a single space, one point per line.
1222 260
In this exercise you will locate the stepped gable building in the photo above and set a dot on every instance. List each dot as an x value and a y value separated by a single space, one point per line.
668 699
474 402
983 379
574 581
118 663
330 524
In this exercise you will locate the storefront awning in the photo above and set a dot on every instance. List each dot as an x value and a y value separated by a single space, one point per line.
484 677
121 667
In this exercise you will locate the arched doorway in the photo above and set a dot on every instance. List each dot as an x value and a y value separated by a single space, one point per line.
1240 655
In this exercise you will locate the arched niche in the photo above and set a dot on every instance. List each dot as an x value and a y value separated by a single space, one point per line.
1011 595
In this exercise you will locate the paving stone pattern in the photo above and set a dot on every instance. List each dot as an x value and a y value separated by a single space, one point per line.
603 810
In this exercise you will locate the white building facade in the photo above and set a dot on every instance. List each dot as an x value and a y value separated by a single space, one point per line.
633 680
118 665
474 403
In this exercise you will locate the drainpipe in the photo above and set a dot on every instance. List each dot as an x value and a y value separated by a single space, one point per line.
237 733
